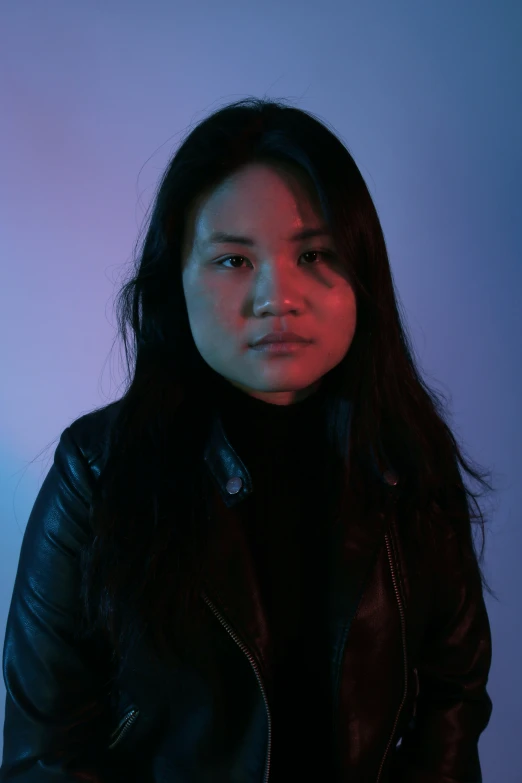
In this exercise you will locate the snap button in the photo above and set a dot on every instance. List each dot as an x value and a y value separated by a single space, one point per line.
234 485
390 477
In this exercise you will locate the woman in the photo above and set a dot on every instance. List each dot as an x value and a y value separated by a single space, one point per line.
258 564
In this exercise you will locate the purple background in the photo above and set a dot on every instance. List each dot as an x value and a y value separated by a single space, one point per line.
94 98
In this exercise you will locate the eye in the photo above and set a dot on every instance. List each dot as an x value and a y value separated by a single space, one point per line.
325 254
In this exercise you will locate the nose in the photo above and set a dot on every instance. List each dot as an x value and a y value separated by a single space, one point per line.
277 293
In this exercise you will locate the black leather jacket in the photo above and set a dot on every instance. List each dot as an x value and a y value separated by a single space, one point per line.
409 642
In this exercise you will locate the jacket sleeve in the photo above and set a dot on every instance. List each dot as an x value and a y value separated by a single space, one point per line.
453 706
55 712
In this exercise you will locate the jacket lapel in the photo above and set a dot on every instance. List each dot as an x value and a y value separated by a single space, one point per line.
231 584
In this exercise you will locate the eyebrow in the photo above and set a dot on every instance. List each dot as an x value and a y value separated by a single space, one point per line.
221 237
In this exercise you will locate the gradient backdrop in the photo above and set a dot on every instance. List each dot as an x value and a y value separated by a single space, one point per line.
428 98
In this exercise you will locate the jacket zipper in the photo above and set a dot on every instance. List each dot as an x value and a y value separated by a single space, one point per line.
250 657
403 628
121 730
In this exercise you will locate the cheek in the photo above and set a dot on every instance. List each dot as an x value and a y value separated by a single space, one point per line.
210 314
341 319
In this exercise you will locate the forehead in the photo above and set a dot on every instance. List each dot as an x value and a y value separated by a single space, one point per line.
253 199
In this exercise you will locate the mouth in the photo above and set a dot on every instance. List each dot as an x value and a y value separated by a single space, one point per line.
280 348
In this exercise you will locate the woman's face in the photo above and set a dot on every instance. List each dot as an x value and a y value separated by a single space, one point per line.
237 292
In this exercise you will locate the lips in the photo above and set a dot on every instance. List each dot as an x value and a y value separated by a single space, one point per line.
280 337
279 348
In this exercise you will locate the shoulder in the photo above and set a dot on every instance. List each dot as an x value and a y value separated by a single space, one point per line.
88 433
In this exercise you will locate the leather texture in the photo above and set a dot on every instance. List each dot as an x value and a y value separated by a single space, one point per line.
409 646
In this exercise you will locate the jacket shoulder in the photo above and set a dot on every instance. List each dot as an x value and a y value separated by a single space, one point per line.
90 431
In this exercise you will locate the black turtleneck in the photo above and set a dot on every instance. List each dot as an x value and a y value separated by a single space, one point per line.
286 523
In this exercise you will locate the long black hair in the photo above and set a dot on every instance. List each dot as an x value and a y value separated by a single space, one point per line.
142 569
